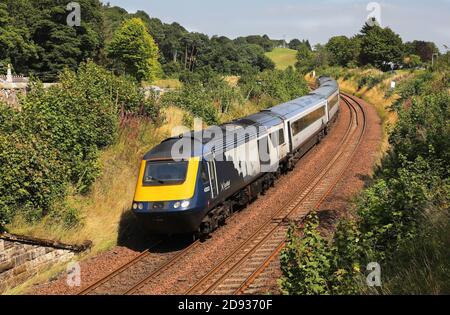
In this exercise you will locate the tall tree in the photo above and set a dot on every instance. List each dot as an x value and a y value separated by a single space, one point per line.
343 50
134 51
380 47
43 24
16 46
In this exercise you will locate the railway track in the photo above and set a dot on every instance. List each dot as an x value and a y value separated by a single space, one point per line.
131 276
236 272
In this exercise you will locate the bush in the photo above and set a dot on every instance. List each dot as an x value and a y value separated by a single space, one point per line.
305 261
55 140
402 217
370 81
281 86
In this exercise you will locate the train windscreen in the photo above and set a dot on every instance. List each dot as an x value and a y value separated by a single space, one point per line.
165 173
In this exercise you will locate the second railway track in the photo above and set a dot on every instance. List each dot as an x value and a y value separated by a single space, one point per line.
235 273
239 269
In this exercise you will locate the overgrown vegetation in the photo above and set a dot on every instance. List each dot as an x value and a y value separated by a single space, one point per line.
400 218
54 141
206 94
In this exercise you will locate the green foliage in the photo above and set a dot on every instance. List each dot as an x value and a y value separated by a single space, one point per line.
195 99
380 46
402 216
35 37
185 51
412 61
305 60
55 139
280 86
343 50
31 177
346 252
296 44
371 80
424 50
134 51
335 72
305 261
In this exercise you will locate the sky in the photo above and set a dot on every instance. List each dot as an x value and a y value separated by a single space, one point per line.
316 20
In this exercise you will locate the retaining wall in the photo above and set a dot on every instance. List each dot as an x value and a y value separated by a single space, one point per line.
23 257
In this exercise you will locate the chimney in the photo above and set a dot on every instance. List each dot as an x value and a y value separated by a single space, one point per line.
9 77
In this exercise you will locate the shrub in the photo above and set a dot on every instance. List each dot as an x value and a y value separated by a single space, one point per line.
305 261
402 216
281 86
55 140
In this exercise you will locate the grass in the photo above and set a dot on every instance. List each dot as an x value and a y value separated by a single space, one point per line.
377 95
283 57
112 193
104 209
168 83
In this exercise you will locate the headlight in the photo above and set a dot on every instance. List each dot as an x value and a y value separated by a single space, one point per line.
177 204
185 204
135 206
141 206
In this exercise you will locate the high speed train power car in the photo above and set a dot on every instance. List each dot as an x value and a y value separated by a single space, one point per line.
192 183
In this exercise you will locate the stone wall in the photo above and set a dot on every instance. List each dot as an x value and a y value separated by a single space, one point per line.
21 259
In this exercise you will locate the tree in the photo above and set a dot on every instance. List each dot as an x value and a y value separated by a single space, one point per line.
424 50
380 47
305 61
412 61
343 50
296 44
134 51
308 60
38 40
16 47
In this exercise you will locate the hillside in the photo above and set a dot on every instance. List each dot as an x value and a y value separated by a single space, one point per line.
283 57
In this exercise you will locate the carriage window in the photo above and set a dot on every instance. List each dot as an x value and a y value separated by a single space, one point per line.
332 102
307 121
277 137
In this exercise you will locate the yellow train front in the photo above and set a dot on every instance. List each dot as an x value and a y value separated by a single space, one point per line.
193 183
169 197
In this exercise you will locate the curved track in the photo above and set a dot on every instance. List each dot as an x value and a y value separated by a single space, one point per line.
239 269
235 273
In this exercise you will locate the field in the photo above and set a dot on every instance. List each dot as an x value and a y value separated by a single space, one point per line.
283 57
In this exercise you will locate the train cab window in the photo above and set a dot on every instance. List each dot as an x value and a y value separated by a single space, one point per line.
160 173
204 174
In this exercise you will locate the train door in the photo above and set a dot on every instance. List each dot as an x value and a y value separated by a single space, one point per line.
279 142
268 154
291 141
212 172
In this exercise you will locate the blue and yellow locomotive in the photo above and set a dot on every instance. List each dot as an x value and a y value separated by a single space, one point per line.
194 182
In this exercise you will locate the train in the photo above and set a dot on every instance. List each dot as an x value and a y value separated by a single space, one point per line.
191 183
